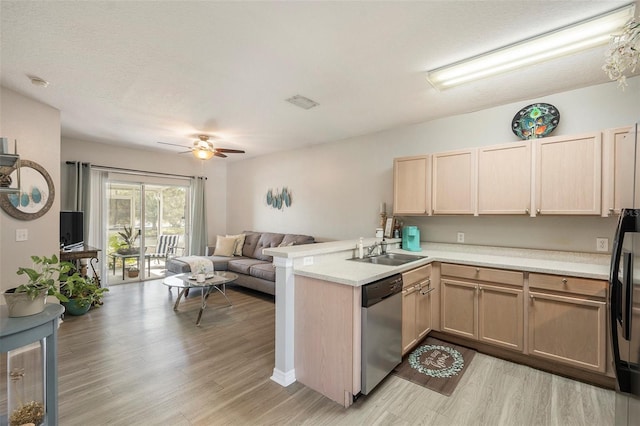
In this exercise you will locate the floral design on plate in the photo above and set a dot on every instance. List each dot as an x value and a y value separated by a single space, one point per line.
535 121
436 361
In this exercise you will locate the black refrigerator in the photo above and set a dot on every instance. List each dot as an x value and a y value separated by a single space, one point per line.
624 287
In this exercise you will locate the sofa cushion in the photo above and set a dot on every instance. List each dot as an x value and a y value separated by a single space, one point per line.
239 243
243 265
266 271
220 263
225 246
295 239
250 242
267 240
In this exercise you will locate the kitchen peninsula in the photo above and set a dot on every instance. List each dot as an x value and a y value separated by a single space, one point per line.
325 267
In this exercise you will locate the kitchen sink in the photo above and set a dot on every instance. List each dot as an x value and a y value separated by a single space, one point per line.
389 259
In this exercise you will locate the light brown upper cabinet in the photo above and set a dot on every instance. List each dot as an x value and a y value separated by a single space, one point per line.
504 179
618 152
568 174
454 182
412 185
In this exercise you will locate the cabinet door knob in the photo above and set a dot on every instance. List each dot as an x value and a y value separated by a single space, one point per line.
538 211
564 281
531 297
480 288
526 211
477 270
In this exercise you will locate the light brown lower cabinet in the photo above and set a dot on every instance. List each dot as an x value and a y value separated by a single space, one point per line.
459 308
552 322
568 329
417 292
488 313
501 316
483 310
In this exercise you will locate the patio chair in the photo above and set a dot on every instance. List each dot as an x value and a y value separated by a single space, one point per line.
167 245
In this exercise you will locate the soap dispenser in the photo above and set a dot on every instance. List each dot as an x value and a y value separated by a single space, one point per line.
360 249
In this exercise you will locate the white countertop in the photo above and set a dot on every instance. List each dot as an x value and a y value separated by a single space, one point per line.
585 265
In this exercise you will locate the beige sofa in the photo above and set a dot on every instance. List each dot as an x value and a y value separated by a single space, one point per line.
255 270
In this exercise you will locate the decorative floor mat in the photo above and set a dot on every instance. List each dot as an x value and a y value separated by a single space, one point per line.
436 365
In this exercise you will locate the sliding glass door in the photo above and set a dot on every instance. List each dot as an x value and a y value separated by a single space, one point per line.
146 222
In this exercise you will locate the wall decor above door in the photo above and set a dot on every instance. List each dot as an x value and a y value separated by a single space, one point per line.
36 193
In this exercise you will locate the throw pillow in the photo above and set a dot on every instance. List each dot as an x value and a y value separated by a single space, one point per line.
289 244
239 243
225 246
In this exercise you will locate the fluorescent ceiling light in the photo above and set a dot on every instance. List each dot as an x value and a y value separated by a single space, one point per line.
564 41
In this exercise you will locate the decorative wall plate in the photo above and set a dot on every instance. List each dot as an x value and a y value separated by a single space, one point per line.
36 193
535 121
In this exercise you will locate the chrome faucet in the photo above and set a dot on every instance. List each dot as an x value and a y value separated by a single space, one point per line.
371 249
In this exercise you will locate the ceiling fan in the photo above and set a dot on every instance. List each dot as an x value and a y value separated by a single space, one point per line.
203 149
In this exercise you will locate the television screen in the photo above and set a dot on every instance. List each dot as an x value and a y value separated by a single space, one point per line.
71 229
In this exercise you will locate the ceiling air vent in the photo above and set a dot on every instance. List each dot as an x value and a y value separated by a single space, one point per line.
302 102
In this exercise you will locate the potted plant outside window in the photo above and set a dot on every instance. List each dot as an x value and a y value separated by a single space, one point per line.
129 237
133 272
44 279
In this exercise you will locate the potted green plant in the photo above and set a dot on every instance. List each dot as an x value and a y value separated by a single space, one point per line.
133 271
44 278
129 237
82 293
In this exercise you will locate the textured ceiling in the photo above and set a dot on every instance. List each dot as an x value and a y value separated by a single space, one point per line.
134 72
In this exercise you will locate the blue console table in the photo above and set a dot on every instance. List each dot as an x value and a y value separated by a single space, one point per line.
43 327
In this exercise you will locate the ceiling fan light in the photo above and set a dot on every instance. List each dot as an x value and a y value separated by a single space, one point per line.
202 154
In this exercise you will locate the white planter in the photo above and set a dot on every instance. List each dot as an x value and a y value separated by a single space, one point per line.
22 305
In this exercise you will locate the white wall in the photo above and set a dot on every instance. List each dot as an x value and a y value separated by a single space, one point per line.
152 161
36 127
337 187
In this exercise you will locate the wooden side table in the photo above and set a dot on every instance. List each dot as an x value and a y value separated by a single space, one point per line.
85 252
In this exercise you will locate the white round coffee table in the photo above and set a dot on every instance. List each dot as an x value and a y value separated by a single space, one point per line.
217 280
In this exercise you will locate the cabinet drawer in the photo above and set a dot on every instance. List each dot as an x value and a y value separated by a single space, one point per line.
414 276
573 285
482 274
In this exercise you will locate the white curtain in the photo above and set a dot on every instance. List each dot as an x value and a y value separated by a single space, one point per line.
198 240
86 193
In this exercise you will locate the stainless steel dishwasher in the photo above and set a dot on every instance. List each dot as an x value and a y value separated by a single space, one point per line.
381 330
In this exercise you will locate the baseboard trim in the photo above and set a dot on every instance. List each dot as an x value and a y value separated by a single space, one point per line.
284 378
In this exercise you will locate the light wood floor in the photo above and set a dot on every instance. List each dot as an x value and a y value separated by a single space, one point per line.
135 361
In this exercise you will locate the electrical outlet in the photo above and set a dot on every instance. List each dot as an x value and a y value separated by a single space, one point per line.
602 244
307 261
22 234
461 237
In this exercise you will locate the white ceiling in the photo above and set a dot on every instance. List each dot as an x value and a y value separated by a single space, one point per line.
138 72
